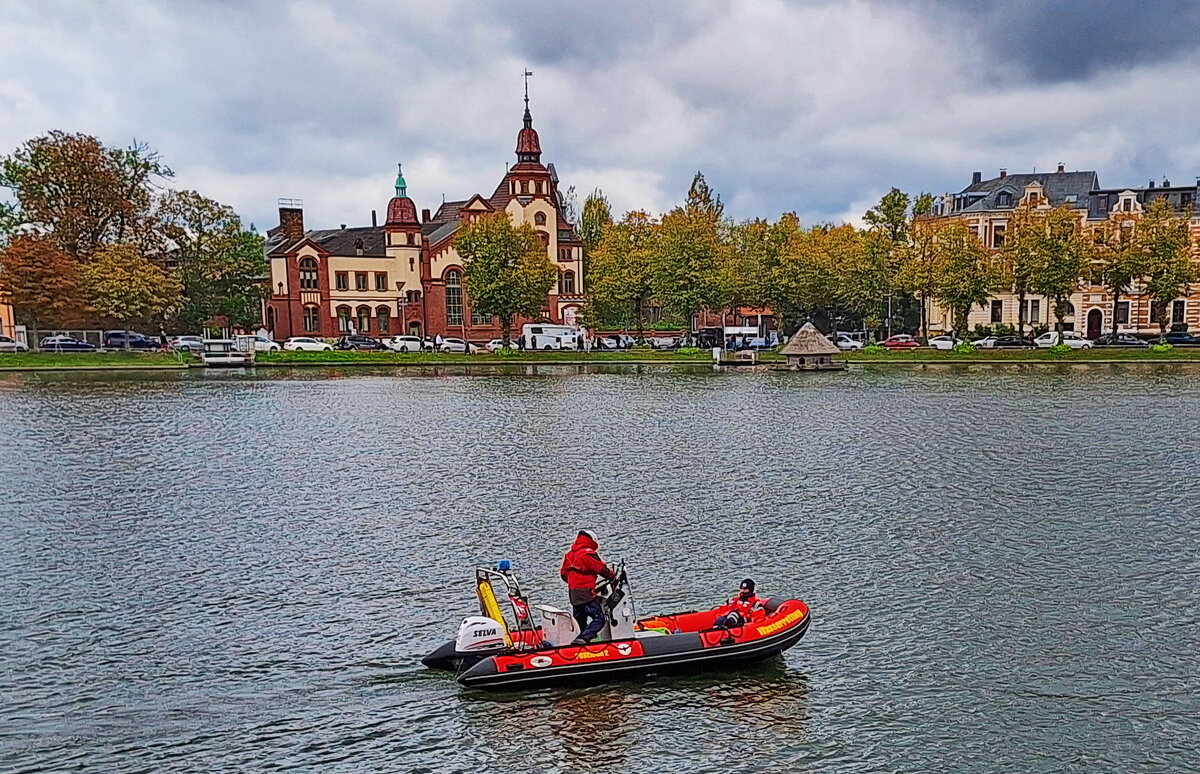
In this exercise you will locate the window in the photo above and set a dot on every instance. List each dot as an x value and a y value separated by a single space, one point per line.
412 296
998 235
1004 199
308 274
539 186
539 219
566 283
343 280
412 239
478 318
312 320
454 298
1034 199
1033 310
1122 313
974 231
270 318
997 310
364 319
358 247
360 280
381 280
343 313
524 186
542 235
1179 312
383 316
1127 205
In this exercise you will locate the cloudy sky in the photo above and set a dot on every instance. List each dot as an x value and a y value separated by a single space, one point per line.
814 107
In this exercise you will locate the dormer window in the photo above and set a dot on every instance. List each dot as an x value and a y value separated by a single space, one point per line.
358 247
1004 199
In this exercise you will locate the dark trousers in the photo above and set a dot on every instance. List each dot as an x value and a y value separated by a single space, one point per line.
590 617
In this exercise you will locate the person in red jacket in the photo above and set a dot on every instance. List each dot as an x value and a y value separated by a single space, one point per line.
744 607
580 569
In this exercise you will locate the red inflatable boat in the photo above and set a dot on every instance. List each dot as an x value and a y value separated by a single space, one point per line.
489 653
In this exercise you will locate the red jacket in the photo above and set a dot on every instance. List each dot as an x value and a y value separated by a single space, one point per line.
581 566
750 608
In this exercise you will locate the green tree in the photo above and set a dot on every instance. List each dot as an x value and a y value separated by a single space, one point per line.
1166 247
125 286
804 282
891 216
597 213
41 283
1056 261
1019 255
508 271
688 254
220 263
964 273
920 265
621 276
1115 259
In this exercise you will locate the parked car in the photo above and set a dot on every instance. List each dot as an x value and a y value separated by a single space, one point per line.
1182 339
665 342
495 345
900 341
1003 342
1072 339
1121 340
128 340
358 342
11 345
844 341
944 342
614 341
186 343
306 344
408 344
458 346
65 343
257 342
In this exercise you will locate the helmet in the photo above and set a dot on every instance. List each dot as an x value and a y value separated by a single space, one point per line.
747 585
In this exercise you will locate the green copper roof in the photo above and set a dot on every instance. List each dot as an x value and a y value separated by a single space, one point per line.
401 186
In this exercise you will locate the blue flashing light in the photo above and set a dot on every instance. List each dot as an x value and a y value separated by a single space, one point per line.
504 564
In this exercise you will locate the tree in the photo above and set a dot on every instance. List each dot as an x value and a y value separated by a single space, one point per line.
964 275
85 195
220 263
124 285
41 283
803 281
920 263
597 213
688 253
508 271
621 272
1166 247
891 216
1056 258
1115 259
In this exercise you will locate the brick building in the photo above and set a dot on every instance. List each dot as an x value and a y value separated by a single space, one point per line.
986 206
406 276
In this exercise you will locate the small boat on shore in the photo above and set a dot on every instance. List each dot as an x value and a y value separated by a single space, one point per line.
536 650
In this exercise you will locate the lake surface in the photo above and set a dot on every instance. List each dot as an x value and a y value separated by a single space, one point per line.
240 573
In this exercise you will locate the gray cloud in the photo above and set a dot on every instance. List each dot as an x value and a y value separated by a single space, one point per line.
816 107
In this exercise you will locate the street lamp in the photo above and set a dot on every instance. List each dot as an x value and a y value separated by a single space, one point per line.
402 307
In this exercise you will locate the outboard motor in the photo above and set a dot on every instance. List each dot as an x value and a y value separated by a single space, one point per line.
619 613
479 633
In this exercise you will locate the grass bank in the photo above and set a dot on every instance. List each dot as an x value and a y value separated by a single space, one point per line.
338 357
90 361
1177 354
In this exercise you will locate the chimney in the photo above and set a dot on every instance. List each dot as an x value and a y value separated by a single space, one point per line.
1062 167
1003 173
291 218
374 219
424 216
1166 183
343 226
1150 184
976 178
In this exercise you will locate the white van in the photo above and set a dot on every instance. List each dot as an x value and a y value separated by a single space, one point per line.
545 336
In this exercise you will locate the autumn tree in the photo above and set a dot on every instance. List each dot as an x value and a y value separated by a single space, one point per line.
597 213
803 281
508 271
891 216
1019 255
41 283
125 286
964 273
1114 260
1166 249
1057 260
688 252
920 264
621 272
83 194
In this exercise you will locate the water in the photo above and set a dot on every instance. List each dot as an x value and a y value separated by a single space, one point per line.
223 573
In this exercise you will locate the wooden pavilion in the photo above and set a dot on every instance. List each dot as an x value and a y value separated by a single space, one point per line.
809 350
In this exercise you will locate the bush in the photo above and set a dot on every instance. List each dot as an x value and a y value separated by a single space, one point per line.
688 350
1058 350
507 352
873 349
983 331
1004 329
1162 348
965 348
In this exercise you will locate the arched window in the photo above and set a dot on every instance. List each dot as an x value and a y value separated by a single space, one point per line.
383 316
539 219
566 283
308 274
343 315
312 318
364 318
542 235
454 297
270 318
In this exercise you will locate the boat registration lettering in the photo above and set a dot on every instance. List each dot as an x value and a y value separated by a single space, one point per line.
782 623
593 654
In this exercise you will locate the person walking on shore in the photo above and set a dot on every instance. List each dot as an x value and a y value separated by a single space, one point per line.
581 567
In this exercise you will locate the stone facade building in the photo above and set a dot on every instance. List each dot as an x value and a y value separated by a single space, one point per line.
406 276
986 206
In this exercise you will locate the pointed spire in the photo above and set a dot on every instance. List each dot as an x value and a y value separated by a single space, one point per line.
528 116
401 186
529 147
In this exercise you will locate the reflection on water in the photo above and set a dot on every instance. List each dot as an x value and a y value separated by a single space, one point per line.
240 571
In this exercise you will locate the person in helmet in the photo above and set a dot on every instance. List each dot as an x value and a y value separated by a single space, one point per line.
744 607
581 567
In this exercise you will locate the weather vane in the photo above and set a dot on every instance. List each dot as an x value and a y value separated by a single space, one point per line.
526 75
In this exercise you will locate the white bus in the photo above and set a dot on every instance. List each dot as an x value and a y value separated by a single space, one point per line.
545 336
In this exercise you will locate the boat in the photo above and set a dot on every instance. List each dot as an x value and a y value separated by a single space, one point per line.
531 646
